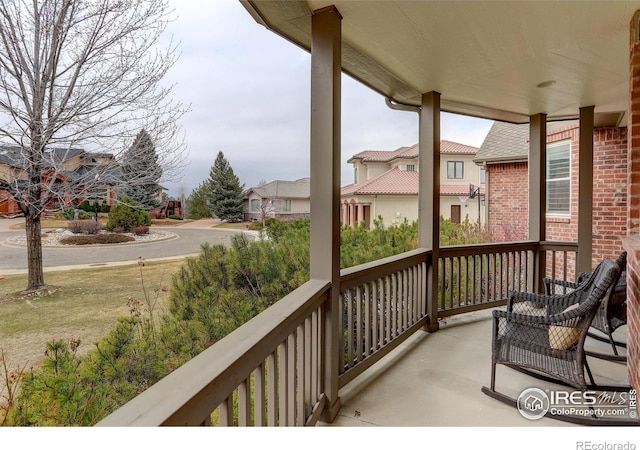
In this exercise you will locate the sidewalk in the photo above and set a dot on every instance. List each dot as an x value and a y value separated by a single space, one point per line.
201 223
6 224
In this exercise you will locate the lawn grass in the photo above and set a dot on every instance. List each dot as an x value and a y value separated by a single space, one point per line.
83 304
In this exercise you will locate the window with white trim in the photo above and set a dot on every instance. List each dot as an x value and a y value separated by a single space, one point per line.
411 167
286 205
559 178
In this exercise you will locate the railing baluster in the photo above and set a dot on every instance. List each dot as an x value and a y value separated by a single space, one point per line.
259 398
374 316
316 336
388 307
359 329
309 364
291 379
349 298
226 412
300 372
367 319
282 385
405 295
244 404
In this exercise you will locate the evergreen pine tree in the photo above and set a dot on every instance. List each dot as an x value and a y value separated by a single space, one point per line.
226 192
141 172
196 206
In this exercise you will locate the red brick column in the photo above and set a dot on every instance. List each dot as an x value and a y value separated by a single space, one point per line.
632 243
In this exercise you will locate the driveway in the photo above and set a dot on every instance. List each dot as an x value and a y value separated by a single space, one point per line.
189 238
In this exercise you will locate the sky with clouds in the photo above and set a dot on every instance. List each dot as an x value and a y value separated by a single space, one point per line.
248 91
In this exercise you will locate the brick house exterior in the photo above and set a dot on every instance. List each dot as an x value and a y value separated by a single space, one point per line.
63 168
507 199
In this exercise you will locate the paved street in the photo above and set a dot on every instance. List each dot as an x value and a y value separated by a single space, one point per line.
13 259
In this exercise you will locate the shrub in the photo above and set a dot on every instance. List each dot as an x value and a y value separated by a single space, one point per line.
255 226
156 214
127 214
140 230
110 238
70 214
84 226
175 217
85 206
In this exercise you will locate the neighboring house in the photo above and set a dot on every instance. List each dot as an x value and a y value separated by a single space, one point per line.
69 171
284 200
386 185
504 154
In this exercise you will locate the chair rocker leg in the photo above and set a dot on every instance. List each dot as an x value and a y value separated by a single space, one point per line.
608 340
606 357
593 386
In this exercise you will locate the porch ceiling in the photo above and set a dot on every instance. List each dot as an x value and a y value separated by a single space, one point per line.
485 58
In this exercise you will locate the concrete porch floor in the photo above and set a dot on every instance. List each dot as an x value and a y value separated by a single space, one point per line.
435 380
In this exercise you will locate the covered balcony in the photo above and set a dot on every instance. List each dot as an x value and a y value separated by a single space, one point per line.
407 340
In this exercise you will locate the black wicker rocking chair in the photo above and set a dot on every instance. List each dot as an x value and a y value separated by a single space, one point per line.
611 315
543 336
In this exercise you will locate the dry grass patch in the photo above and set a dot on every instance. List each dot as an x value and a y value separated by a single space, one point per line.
82 304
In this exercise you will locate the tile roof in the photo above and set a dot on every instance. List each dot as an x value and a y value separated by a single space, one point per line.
399 182
446 147
458 189
391 182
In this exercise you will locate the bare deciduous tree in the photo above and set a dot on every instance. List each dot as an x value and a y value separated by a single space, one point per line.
80 74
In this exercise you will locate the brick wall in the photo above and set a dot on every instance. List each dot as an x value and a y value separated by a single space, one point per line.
632 243
609 192
508 196
633 310
508 202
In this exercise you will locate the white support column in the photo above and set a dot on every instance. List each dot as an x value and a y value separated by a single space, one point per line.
584 261
538 191
429 195
326 60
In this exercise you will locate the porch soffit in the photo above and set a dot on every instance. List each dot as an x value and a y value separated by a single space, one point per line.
484 57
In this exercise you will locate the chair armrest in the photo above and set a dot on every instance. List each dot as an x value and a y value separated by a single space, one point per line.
553 303
560 318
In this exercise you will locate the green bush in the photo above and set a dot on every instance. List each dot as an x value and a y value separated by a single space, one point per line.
70 214
127 214
175 217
